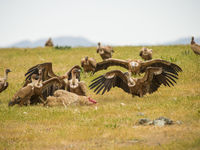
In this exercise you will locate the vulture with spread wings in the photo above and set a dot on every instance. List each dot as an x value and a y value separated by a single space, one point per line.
195 47
36 92
138 66
47 73
154 77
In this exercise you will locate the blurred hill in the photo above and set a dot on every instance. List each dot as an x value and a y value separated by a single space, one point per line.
61 41
84 42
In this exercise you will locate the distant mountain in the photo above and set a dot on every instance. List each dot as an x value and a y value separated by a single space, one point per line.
81 41
60 41
181 41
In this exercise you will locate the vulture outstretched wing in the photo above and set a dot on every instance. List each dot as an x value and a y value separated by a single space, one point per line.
46 68
111 62
48 87
165 65
110 79
69 73
154 77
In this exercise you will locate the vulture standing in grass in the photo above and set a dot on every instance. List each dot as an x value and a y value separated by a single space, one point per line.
105 52
3 81
37 91
49 43
146 53
76 86
138 66
88 64
47 73
154 77
195 47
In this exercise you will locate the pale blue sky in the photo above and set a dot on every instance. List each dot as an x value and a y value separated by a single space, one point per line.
121 22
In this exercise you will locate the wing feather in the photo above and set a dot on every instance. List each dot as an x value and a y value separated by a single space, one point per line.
165 65
111 62
154 77
69 73
114 78
45 67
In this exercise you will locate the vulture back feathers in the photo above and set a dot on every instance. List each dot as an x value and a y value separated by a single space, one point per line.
146 53
105 52
195 47
88 64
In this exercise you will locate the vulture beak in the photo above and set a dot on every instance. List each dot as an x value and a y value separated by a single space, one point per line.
92 100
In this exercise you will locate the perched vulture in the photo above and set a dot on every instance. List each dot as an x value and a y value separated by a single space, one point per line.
36 92
154 77
137 66
195 47
146 53
88 64
76 86
65 98
3 81
49 43
105 52
47 73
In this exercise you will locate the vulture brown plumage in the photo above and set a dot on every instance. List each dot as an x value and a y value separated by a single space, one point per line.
138 66
105 51
36 92
47 73
146 53
195 47
49 43
154 77
88 64
76 86
3 81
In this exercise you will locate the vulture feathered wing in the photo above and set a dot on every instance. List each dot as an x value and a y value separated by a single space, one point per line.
3 86
110 79
154 77
69 73
196 48
46 69
111 62
48 87
165 65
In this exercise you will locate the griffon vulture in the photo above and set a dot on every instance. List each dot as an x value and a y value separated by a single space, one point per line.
49 43
88 64
137 66
146 53
105 52
154 77
3 81
47 73
195 47
36 92
76 86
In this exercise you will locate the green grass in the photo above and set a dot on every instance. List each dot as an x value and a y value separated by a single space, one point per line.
107 125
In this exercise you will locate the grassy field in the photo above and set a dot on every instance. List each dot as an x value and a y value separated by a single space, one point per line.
107 125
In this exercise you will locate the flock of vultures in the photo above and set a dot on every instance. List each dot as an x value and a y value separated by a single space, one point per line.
43 86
